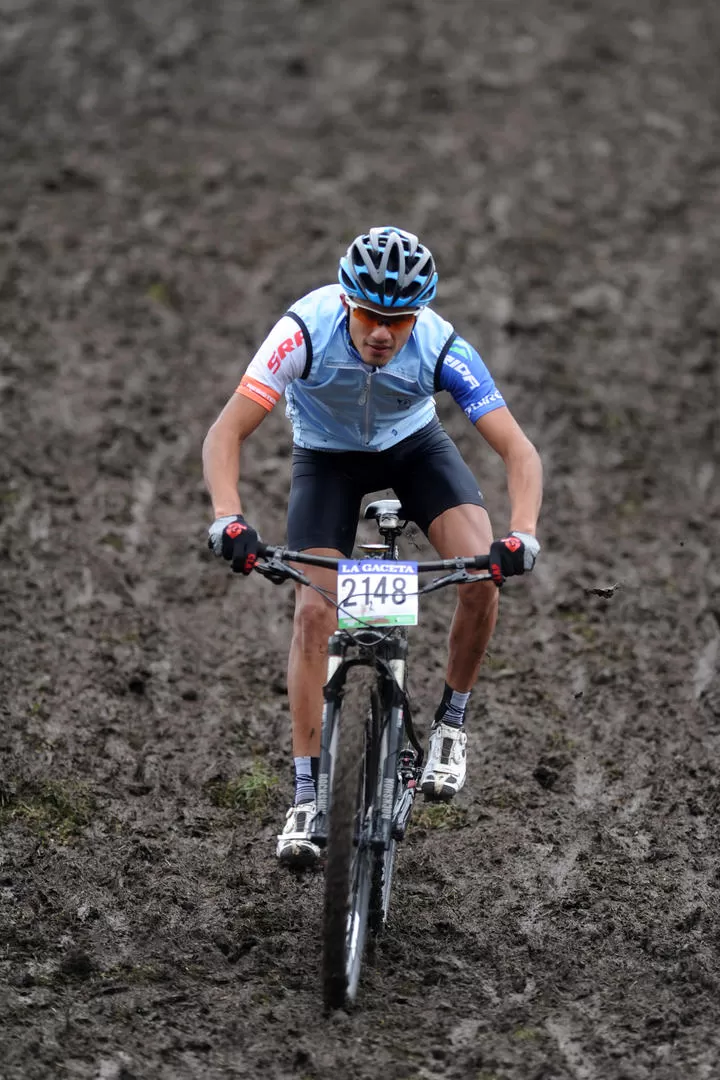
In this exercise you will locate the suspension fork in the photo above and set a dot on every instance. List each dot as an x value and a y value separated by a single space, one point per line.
333 691
391 655
394 654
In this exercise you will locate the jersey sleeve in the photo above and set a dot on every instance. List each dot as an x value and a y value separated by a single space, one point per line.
464 375
280 359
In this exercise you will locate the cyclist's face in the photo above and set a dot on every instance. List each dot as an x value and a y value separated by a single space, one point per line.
377 335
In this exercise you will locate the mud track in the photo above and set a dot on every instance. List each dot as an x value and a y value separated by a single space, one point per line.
173 175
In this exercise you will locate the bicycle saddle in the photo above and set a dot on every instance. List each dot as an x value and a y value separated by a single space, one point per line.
374 510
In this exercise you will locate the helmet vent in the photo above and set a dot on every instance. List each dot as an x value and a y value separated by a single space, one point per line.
389 267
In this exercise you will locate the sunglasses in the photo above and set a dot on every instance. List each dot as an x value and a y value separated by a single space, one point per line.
371 319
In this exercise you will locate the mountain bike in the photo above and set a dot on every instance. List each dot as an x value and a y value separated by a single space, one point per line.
370 756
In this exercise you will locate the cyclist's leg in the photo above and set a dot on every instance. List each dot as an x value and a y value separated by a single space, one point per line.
441 494
465 530
314 621
322 520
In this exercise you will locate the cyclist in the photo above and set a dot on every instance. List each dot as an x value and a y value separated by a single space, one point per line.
359 363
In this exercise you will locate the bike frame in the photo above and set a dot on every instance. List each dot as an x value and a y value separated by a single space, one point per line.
387 655
388 777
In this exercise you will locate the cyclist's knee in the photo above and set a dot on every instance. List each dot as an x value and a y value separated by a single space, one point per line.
479 601
315 620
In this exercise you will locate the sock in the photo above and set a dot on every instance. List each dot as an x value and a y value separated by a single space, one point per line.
451 709
304 781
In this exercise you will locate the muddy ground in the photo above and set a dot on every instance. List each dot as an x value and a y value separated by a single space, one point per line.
173 175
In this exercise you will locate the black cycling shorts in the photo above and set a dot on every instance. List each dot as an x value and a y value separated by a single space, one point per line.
426 472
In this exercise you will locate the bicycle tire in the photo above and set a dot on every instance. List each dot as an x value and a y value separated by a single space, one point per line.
349 862
384 862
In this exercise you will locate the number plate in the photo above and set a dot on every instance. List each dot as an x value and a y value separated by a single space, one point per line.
373 593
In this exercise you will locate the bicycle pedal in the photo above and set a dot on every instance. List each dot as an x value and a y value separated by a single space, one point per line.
407 762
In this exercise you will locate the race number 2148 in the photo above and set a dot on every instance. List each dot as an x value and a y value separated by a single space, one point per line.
377 594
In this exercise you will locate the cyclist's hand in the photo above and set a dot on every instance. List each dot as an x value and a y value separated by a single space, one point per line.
235 540
514 554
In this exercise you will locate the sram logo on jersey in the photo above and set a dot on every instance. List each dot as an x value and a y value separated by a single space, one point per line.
285 347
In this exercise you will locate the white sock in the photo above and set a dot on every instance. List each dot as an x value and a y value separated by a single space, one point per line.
452 707
304 783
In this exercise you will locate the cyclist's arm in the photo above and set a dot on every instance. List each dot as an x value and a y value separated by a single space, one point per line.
522 463
221 452
279 360
465 376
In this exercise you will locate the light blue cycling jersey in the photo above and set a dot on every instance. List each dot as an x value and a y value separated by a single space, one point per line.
341 403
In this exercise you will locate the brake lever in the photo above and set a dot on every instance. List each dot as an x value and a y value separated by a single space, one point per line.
459 577
277 572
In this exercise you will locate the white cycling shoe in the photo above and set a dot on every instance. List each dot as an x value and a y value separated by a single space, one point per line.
295 849
444 772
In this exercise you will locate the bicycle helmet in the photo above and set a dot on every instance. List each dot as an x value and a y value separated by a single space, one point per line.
388 267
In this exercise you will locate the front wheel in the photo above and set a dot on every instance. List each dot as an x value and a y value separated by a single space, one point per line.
384 861
349 866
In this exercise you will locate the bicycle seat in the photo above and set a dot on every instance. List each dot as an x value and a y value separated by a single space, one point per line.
374 510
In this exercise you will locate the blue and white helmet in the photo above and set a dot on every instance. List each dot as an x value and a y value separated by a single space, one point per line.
389 267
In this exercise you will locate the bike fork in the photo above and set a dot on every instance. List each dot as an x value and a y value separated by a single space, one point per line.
394 653
332 692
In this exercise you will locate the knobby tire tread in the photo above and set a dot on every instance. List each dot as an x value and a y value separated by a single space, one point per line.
383 863
345 794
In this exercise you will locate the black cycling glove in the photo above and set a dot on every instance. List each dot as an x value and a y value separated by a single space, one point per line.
514 554
232 538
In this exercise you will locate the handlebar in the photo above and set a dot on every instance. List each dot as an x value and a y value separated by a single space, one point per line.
329 562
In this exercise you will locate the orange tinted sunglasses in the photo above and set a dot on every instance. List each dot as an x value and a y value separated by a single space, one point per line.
371 319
